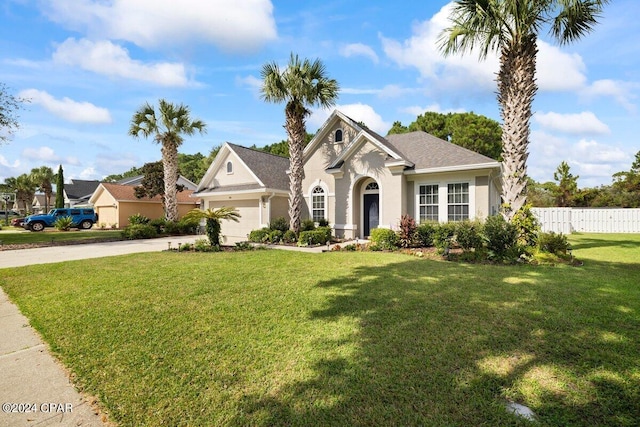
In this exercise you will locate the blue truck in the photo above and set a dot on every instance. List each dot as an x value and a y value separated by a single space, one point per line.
82 218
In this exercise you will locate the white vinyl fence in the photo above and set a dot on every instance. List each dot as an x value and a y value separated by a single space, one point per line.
584 220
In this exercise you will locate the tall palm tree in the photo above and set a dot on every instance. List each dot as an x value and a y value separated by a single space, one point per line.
43 177
213 220
25 189
167 125
512 27
302 84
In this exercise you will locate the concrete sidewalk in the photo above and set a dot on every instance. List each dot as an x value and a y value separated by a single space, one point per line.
35 389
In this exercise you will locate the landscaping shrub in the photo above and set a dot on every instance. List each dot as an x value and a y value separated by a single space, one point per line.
443 234
307 225
185 247
63 223
501 238
407 233
469 235
384 238
158 224
138 219
275 236
280 223
553 243
172 228
202 245
527 225
188 226
289 236
139 231
323 222
243 246
425 233
319 236
259 236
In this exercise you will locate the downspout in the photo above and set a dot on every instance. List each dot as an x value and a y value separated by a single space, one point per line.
269 204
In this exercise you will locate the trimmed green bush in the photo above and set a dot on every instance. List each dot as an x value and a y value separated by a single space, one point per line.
443 234
275 236
259 236
159 224
138 219
469 235
202 245
425 233
139 231
384 238
289 236
553 243
501 238
188 226
323 222
307 225
319 236
280 223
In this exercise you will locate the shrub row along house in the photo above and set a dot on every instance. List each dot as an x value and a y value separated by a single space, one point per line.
355 179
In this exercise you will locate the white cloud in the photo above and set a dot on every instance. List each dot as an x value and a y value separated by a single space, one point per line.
416 110
250 81
621 92
104 57
359 49
579 124
358 112
68 109
44 154
590 151
232 25
457 72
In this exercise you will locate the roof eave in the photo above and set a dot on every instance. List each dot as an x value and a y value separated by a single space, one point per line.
455 168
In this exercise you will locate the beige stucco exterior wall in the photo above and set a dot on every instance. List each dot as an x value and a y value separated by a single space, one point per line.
239 176
151 210
250 213
279 207
105 207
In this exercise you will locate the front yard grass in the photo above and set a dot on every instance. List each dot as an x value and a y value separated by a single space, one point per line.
10 236
286 338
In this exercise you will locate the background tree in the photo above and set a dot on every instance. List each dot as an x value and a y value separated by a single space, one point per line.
9 106
567 185
282 148
469 130
43 177
302 84
60 188
627 184
152 183
24 189
167 126
131 173
541 195
213 219
192 166
511 27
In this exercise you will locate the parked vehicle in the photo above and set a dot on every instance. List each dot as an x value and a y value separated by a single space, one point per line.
17 222
82 218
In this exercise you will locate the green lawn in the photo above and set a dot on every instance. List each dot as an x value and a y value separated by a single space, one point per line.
18 236
286 338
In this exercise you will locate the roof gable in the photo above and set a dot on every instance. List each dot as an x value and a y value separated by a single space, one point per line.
80 189
127 193
268 170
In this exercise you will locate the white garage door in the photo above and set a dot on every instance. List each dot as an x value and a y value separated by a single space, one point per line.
249 219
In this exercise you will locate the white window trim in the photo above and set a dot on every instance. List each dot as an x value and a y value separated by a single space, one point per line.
309 196
229 162
334 136
443 199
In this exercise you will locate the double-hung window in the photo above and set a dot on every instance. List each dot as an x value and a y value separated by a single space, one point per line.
317 204
458 201
428 203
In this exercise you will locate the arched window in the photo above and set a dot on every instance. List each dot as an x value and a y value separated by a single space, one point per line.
372 186
229 167
318 204
338 136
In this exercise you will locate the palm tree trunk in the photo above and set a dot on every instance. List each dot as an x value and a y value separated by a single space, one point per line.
296 131
170 165
516 90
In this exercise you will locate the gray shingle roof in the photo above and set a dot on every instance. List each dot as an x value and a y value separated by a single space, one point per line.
80 189
427 151
269 168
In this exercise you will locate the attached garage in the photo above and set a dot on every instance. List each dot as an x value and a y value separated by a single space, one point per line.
249 211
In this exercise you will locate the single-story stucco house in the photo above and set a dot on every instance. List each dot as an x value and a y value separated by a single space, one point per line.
355 179
115 203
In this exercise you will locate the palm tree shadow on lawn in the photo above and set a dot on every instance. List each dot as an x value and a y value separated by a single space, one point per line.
449 344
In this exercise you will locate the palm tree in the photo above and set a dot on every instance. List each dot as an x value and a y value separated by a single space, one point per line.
167 125
25 189
512 27
212 220
302 84
43 177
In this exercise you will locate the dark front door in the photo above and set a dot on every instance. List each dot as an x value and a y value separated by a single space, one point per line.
371 213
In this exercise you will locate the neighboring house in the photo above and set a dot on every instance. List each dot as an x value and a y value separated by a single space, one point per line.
115 203
357 180
137 180
78 192
39 204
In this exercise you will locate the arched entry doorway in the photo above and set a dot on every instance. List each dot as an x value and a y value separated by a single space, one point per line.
370 207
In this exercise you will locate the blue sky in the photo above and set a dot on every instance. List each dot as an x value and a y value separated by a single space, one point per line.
87 65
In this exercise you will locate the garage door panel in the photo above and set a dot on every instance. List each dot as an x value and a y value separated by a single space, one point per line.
249 211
